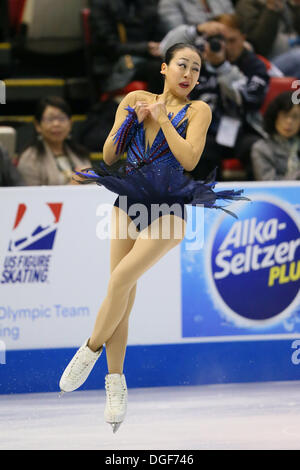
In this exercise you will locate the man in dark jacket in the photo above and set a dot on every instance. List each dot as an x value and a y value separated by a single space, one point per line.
125 36
9 175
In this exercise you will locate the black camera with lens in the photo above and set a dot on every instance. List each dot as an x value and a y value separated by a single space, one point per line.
214 42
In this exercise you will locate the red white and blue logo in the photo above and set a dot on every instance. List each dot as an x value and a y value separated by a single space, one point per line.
31 234
31 243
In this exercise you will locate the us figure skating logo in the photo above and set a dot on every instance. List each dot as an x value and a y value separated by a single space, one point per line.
255 263
31 244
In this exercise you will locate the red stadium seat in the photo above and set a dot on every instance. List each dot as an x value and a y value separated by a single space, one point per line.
267 63
85 16
16 8
132 86
279 85
87 44
232 168
272 70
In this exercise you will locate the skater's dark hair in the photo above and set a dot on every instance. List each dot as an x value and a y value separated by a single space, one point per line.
56 102
177 47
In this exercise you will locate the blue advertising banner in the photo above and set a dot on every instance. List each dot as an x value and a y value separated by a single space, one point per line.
244 281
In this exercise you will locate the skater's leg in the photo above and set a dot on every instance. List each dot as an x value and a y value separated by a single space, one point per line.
116 345
82 363
146 251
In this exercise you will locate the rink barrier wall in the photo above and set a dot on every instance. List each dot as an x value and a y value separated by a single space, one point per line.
37 371
189 325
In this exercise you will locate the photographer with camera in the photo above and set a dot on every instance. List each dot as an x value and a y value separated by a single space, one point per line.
234 82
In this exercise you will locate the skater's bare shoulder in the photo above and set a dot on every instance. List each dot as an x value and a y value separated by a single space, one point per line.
138 95
200 106
200 111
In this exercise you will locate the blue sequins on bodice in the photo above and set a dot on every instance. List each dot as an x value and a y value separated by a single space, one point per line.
159 153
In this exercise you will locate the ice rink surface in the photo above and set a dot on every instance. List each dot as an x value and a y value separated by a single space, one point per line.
210 417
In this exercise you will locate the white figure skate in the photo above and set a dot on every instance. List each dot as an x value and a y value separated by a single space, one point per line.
79 368
116 400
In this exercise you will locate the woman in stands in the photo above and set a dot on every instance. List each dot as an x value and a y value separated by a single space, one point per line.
53 156
277 156
163 135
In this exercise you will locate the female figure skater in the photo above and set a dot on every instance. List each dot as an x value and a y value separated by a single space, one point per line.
163 135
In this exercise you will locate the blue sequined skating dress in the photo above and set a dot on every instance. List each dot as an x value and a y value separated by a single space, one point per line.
152 175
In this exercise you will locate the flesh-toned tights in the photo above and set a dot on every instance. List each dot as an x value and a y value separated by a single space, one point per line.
130 258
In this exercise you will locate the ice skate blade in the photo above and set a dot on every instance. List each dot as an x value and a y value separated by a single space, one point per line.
61 393
115 426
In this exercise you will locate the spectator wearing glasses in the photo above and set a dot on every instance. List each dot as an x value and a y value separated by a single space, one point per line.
277 156
53 156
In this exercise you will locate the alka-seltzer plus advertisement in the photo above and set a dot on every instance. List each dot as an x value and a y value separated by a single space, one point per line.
250 269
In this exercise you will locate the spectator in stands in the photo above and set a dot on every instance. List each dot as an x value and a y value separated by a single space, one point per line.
273 28
53 156
234 82
174 13
126 36
277 157
9 174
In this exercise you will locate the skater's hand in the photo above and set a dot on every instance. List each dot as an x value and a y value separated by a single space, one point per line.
141 110
76 178
158 111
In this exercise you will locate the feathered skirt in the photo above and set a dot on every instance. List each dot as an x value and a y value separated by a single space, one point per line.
158 184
